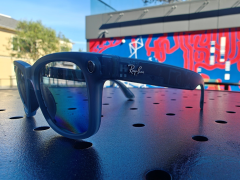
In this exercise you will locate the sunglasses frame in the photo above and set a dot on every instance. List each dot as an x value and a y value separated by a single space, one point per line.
104 68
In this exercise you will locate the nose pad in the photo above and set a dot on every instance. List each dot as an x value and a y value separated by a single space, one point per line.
49 101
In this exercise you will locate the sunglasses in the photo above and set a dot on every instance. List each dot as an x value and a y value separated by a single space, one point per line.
68 86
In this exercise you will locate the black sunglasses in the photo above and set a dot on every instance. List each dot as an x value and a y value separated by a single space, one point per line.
68 86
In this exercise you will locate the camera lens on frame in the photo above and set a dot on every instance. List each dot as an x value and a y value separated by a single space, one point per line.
91 66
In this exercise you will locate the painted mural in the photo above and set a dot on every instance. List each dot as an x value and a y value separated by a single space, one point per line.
215 54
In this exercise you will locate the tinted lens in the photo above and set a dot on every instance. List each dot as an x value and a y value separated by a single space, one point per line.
64 91
21 84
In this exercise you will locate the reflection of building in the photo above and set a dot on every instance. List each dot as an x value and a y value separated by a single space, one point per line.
7 32
203 36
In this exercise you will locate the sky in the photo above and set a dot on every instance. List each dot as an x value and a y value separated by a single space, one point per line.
66 16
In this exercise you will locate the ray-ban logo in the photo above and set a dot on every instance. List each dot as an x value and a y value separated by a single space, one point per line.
133 71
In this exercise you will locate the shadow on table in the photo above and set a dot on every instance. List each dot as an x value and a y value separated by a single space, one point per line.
55 158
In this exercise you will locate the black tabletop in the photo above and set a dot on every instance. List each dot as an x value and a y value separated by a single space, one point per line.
161 133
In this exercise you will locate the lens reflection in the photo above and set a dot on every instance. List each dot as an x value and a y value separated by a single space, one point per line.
64 91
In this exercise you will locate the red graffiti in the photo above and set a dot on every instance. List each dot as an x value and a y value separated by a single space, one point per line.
161 47
100 45
196 48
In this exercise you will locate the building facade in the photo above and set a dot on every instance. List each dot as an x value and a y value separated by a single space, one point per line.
203 36
7 31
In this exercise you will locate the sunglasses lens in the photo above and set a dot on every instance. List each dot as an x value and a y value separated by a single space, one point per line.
21 84
65 94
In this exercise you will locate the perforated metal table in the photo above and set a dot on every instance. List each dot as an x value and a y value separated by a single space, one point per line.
156 131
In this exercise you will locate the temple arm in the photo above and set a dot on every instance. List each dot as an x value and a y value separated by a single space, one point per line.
124 89
141 71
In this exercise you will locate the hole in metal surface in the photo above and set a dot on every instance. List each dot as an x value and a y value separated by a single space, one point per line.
82 145
148 97
2 109
42 128
16 117
158 175
200 138
101 115
221 121
85 99
138 125
230 112
189 107
105 104
237 105
130 99
155 103
173 99
133 108
72 108
170 114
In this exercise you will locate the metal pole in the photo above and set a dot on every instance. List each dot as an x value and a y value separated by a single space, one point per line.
226 87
